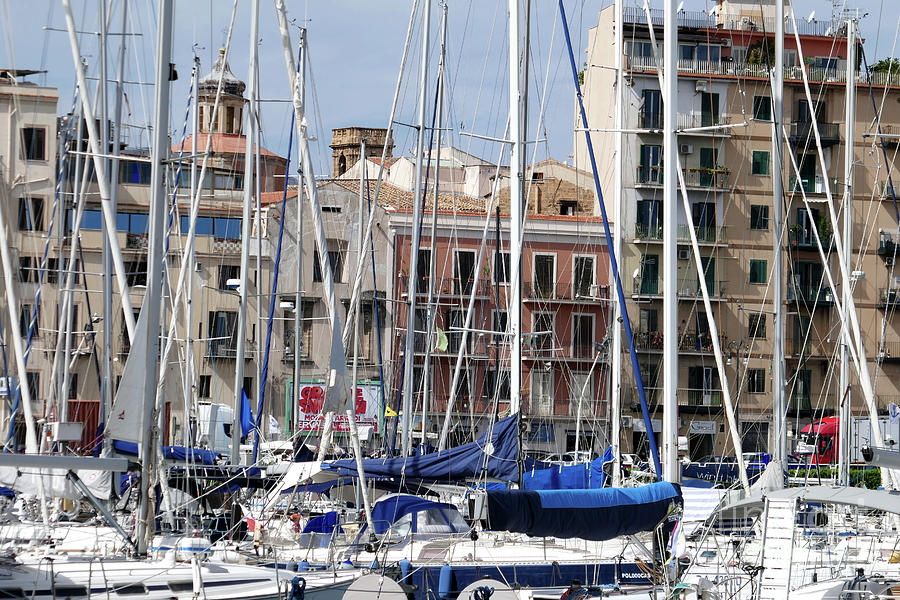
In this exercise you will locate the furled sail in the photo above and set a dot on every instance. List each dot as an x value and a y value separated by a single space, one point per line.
125 420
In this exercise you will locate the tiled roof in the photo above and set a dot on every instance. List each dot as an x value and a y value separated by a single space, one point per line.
400 199
222 143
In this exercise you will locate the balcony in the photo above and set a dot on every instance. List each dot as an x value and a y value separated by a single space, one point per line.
887 245
705 235
814 187
562 292
805 239
696 178
690 342
686 289
694 120
449 287
808 346
889 352
802 133
227 350
689 399
888 298
810 294
136 241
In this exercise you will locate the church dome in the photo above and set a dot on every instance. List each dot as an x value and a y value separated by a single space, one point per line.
230 84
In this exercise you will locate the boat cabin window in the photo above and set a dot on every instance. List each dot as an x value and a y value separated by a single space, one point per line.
70 591
132 589
438 520
181 586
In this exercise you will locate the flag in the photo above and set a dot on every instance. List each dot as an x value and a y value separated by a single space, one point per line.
894 412
274 427
441 343
246 415
389 412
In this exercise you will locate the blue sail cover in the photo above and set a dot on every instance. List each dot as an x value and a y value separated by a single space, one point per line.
389 510
587 514
197 455
585 476
453 464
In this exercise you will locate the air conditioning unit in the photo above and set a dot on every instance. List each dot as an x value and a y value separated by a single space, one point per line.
627 421
726 43
701 85
684 254
685 148
889 261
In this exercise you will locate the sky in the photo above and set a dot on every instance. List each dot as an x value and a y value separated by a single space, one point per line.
355 49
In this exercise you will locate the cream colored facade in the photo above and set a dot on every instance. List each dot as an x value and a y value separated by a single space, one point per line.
728 173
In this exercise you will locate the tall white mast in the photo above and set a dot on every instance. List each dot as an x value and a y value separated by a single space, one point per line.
779 407
515 213
844 393
409 359
615 404
105 382
298 299
153 297
670 245
191 387
245 231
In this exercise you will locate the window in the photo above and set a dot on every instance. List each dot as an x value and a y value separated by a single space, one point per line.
762 108
686 52
423 269
229 119
335 258
220 227
648 320
649 220
34 143
760 165
463 272
136 273
542 331
709 53
583 276
757 270
133 223
649 274
650 167
222 333
491 389
25 320
456 320
29 269
248 387
639 49
756 381
501 267
757 326
126 341
581 389
544 275
203 386
227 272
541 391
56 268
568 207
501 321
34 383
306 329
132 171
651 113
709 109
73 386
759 216
583 336
31 214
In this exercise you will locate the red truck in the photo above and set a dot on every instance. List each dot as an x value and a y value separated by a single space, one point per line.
819 441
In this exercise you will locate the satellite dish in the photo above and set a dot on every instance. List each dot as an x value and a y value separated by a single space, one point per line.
811 16
712 10
680 6
636 273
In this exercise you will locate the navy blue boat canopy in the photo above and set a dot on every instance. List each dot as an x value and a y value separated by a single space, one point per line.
197 455
497 461
390 509
591 514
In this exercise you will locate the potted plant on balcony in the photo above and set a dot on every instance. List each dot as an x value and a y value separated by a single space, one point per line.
796 231
824 228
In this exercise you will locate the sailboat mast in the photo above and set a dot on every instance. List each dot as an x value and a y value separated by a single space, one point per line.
844 395
779 408
416 234
106 382
515 214
615 403
298 299
670 244
245 233
191 388
432 258
153 297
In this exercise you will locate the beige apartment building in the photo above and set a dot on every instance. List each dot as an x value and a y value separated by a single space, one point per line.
728 170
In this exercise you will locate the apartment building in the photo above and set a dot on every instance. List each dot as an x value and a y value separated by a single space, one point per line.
724 143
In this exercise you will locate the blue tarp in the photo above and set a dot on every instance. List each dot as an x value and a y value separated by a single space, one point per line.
323 524
388 511
317 488
587 514
454 464
206 457
246 415
6 492
575 477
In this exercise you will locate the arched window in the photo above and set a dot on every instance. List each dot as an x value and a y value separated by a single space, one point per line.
342 165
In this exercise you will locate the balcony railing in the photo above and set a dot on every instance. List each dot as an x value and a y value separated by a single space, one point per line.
694 177
686 289
802 133
687 342
810 293
888 298
887 244
808 346
889 352
700 19
695 120
226 349
536 290
805 239
710 235
815 185
686 396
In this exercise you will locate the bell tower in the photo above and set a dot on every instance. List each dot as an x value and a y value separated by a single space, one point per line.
345 146
231 104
